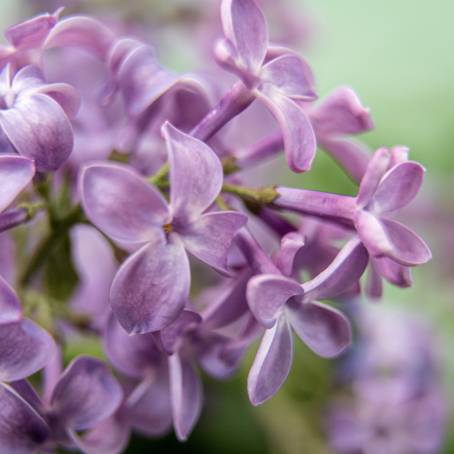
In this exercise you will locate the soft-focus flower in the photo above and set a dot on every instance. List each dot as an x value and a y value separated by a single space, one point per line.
34 116
152 286
85 395
278 83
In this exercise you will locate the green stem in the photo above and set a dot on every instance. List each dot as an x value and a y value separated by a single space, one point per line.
59 227
263 196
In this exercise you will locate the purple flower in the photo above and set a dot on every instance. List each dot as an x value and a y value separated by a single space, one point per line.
34 116
279 83
386 188
85 395
152 286
281 304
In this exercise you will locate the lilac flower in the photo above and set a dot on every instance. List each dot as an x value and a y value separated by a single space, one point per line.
281 304
152 286
278 83
85 395
47 139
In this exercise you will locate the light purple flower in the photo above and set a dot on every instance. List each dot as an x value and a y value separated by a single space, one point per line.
152 286
281 304
34 116
279 83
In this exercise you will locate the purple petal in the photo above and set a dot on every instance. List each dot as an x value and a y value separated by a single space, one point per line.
31 33
47 138
109 437
398 187
22 429
267 294
196 174
86 394
82 32
323 329
172 335
151 287
292 75
134 356
272 363
10 307
186 396
393 272
245 27
121 204
341 113
299 138
152 413
64 94
209 238
16 173
25 348
291 244
375 171
140 77
346 269
407 247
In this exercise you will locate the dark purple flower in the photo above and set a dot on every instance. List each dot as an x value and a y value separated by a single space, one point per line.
152 286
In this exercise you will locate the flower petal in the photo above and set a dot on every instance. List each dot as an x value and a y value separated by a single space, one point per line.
209 238
86 394
346 269
151 288
186 395
196 173
245 27
32 32
39 129
407 247
16 173
25 348
292 75
398 187
133 356
172 335
291 244
299 137
375 171
82 32
341 113
152 413
10 307
272 363
22 429
267 294
323 329
393 272
121 204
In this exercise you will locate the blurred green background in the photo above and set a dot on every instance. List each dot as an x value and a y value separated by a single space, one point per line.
398 56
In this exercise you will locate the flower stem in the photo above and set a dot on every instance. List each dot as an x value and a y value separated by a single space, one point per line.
263 196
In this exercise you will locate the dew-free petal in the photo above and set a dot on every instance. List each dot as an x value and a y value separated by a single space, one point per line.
186 395
10 307
121 204
272 363
151 287
268 293
25 348
323 329
209 238
299 137
86 394
196 173
291 244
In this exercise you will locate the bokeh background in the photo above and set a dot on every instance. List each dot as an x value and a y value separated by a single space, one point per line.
398 56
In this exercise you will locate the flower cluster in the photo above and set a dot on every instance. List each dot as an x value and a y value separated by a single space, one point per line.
124 182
